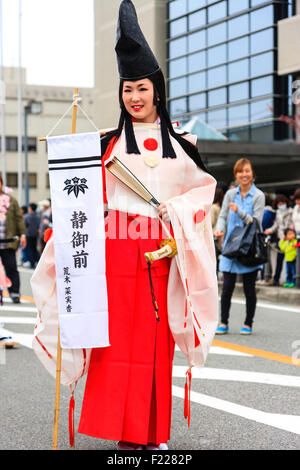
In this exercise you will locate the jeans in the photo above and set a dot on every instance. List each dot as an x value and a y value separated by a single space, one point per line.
250 293
32 253
291 272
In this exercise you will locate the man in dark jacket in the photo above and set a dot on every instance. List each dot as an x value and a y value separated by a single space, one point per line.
12 233
32 222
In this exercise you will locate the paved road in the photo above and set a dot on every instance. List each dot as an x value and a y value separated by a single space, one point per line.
246 396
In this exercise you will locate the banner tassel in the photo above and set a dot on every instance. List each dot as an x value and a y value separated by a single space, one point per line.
187 395
71 419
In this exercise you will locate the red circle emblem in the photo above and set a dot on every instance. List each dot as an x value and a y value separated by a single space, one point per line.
199 216
151 144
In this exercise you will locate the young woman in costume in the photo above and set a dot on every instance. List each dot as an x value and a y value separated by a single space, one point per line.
128 390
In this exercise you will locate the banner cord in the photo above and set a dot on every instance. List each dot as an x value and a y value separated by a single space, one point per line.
75 102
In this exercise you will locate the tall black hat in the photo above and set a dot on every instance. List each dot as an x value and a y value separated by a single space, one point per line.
136 61
134 56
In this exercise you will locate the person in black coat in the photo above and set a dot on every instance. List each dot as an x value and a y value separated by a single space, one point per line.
32 222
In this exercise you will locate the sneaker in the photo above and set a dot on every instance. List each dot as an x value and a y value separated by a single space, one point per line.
121 445
8 342
15 298
246 330
162 446
222 330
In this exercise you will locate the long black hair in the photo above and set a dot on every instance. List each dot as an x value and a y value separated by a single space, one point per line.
167 128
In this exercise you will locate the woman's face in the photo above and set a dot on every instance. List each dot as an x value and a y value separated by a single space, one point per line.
244 177
138 100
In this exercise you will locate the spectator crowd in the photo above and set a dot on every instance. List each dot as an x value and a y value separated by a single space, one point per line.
281 224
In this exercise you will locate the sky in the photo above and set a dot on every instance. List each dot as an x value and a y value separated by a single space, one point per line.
57 40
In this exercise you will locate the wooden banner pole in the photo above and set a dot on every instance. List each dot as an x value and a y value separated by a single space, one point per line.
59 352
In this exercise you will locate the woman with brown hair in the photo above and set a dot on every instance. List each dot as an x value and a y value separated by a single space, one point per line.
240 206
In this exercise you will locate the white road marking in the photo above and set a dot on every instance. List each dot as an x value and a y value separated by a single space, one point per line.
211 373
283 308
289 423
18 320
223 351
9 308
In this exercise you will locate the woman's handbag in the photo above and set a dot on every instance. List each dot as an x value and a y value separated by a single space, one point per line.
247 244
239 241
258 251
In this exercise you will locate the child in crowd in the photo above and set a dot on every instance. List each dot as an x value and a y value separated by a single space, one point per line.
289 246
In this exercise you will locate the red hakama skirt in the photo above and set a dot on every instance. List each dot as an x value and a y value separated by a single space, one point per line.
128 389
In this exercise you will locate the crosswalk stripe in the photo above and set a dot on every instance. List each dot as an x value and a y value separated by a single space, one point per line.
289 423
212 373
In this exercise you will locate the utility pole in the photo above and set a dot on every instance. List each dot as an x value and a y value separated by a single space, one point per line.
20 109
2 101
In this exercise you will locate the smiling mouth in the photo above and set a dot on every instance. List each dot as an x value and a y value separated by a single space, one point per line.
137 107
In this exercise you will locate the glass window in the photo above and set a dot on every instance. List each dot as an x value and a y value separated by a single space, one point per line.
197 82
238 115
216 76
262 86
261 18
217 118
177 67
262 64
178 27
12 180
195 4
11 144
238 92
238 71
216 55
260 109
177 8
178 106
216 12
238 26
177 87
196 41
197 19
261 41
197 102
235 7
238 48
197 61
216 34
217 97
177 47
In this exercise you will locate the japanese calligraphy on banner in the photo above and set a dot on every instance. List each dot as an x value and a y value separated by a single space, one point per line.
79 239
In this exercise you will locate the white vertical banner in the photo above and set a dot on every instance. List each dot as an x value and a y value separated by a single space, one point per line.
79 239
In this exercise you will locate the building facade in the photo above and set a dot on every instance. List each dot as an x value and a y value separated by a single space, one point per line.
223 69
222 62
